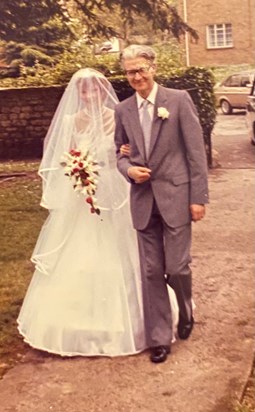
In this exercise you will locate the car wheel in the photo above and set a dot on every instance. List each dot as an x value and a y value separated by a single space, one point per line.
226 108
253 137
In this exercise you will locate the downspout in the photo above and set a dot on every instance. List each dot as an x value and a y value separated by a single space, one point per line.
185 16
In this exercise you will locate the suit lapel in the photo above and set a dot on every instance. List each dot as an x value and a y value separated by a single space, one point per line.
136 125
160 101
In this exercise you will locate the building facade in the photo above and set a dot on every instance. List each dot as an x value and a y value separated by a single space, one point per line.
226 31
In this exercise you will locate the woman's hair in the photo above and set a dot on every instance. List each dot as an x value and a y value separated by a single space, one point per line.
89 79
136 50
93 77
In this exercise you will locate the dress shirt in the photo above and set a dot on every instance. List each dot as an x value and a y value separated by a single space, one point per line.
151 99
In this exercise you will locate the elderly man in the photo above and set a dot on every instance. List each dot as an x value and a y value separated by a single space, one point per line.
167 170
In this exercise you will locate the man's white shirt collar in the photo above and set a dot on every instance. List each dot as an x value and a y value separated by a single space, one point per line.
151 98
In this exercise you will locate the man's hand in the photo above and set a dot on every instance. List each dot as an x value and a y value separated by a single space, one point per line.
139 174
197 212
125 149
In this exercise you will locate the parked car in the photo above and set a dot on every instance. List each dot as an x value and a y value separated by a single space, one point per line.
250 114
106 46
233 91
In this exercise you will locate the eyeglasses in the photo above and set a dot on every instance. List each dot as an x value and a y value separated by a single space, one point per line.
142 70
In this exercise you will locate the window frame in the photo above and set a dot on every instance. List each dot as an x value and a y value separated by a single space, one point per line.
226 29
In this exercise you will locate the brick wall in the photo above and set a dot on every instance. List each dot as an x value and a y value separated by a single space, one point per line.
25 115
241 14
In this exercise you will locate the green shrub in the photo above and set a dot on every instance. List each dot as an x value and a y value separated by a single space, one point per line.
31 56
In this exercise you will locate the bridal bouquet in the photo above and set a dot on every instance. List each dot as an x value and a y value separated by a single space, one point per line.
83 171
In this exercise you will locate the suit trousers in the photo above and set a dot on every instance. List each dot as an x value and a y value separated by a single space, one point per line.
164 257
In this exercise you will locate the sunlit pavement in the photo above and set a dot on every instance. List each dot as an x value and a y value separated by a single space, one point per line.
231 124
231 144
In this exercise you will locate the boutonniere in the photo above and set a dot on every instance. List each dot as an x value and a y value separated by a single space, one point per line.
163 113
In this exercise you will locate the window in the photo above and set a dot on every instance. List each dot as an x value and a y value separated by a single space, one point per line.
238 80
245 80
233 81
219 35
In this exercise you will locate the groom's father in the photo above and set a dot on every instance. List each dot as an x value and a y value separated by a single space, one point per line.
167 170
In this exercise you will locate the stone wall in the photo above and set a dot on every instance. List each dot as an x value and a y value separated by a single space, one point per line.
25 115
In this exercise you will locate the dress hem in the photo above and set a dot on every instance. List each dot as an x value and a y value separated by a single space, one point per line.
73 354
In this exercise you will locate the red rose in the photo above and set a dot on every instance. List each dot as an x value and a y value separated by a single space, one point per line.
75 170
80 164
74 152
89 200
84 175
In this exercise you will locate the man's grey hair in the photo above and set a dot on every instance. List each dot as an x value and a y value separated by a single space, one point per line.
136 50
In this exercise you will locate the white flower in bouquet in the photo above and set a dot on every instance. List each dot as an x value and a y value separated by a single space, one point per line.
83 171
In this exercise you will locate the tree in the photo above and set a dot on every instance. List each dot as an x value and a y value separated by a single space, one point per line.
40 31
30 21
33 30
162 15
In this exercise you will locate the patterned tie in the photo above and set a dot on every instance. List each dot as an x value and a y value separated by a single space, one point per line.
146 126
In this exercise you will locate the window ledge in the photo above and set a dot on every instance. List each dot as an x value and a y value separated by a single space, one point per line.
220 47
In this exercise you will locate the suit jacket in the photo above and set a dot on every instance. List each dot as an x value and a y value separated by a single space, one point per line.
177 158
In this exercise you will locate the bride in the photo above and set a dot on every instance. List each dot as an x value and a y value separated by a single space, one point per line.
85 294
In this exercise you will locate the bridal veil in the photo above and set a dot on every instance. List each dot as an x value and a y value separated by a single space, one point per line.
85 295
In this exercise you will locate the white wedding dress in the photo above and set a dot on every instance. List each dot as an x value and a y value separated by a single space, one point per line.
85 295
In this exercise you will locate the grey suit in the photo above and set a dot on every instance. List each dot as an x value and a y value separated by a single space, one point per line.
160 207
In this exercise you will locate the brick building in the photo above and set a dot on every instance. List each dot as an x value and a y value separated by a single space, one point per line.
226 31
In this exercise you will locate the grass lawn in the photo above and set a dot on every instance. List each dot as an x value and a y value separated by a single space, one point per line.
21 218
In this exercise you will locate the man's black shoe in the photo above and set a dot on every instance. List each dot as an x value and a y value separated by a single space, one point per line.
159 353
185 328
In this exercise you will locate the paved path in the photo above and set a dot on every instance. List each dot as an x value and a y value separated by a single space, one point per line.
208 372
230 139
